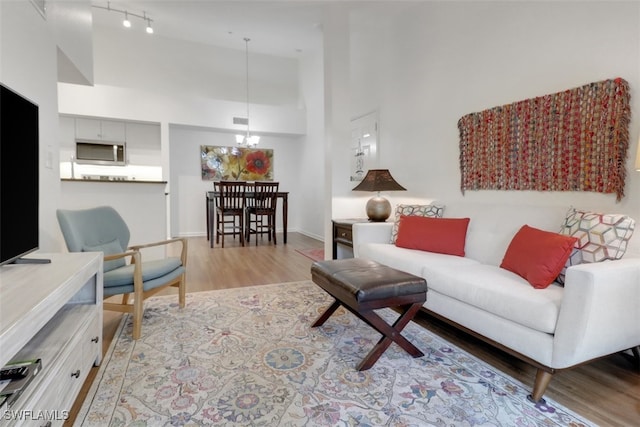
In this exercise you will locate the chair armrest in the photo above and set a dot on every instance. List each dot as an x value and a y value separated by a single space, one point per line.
159 243
600 312
182 240
136 261
111 257
370 232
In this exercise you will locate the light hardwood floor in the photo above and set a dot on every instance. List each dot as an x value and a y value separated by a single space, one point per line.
606 391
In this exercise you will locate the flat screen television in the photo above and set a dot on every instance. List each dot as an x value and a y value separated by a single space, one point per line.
19 176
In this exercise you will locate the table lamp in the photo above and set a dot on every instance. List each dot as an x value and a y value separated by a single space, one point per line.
378 208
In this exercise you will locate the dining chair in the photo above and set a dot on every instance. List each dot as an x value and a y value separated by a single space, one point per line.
227 221
126 272
261 210
230 205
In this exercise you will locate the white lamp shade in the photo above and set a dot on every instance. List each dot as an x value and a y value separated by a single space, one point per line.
253 140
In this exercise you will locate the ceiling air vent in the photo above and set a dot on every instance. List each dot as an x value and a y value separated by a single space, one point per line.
240 121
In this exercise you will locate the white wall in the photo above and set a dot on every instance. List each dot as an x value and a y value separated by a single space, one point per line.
28 66
311 216
70 23
157 63
441 60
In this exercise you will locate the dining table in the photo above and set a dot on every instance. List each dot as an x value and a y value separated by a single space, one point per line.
211 208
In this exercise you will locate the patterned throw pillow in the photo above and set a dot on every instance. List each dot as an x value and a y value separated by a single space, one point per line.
431 211
600 237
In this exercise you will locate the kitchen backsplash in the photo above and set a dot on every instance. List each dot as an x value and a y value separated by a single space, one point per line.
111 173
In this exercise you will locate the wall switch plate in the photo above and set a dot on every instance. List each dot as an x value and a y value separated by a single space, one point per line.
48 162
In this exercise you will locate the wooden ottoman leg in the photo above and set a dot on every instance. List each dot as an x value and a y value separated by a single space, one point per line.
363 286
390 334
324 316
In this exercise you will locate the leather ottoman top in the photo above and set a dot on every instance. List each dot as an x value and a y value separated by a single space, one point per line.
367 280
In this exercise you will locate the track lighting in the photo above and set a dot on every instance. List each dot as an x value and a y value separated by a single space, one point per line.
126 22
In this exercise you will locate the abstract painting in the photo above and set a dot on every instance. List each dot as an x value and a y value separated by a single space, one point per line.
236 163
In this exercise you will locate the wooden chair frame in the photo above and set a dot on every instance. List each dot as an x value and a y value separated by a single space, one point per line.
139 294
230 202
262 204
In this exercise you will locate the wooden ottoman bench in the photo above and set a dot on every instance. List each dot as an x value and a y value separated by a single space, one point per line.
362 286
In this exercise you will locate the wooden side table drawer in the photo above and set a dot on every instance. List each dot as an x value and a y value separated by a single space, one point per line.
343 233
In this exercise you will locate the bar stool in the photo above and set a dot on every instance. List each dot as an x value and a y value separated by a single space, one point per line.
230 204
261 211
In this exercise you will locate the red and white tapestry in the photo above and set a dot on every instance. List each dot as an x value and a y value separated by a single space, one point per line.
575 140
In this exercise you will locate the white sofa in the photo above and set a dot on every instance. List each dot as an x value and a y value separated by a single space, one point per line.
595 313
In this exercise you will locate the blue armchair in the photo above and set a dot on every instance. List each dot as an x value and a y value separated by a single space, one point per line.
102 229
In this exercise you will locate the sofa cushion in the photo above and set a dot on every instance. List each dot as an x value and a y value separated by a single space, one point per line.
599 237
492 226
498 291
431 211
440 235
409 260
537 255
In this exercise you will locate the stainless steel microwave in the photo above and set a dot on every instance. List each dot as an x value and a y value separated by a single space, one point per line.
101 152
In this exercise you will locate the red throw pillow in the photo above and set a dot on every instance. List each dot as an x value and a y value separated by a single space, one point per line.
441 235
537 255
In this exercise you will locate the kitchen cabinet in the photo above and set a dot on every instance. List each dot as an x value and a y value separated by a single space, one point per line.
101 130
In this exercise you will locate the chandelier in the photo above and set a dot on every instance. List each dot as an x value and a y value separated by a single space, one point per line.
247 139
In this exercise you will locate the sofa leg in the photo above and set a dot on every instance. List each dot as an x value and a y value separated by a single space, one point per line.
542 381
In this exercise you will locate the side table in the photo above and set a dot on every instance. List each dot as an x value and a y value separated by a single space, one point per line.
343 233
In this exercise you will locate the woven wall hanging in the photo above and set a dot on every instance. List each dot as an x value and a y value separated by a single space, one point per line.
575 140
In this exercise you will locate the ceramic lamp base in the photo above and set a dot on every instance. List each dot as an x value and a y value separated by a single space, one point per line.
378 209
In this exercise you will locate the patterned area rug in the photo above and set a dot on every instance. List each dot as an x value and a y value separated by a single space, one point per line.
248 357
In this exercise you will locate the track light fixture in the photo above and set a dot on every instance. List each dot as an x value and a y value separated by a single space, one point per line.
126 22
149 28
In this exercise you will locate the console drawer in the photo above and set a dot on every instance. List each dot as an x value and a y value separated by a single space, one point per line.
53 391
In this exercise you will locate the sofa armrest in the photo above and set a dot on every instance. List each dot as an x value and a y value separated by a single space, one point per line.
600 312
370 232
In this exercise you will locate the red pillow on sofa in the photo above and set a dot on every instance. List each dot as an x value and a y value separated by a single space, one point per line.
441 235
537 255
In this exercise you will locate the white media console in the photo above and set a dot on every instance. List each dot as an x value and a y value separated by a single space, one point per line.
51 312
